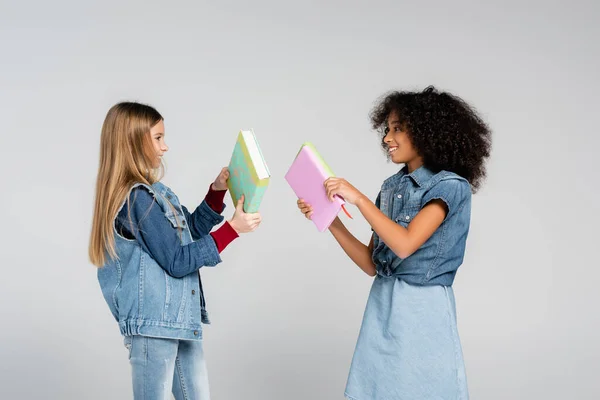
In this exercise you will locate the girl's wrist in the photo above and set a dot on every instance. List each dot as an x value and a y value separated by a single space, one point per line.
231 223
360 201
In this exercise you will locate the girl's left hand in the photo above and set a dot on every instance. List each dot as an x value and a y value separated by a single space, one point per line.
221 182
341 187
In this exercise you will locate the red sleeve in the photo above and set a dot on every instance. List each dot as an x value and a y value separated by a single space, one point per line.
223 236
214 199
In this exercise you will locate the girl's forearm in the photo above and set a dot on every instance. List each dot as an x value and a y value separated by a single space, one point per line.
356 250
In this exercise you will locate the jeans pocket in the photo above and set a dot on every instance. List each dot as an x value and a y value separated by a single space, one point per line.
128 342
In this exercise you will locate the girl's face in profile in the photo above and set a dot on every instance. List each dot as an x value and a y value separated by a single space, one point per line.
400 148
157 134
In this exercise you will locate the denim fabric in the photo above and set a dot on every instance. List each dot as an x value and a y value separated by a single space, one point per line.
160 367
408 347
142 296
401 197
143 220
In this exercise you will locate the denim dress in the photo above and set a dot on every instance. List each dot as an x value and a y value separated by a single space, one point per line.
408 346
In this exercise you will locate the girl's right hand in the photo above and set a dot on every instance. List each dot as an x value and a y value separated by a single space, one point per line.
243 222
305 208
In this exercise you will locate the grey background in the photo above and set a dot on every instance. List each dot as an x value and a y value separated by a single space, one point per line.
286 303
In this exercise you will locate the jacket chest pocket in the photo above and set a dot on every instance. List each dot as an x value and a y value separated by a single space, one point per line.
173 210
176 218
178 221
406 215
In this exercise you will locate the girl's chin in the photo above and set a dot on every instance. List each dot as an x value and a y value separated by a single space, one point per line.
396 160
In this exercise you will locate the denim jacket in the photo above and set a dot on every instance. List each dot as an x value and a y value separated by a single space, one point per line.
142 296
401 197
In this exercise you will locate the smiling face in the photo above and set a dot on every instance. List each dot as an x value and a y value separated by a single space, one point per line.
399 146
157 134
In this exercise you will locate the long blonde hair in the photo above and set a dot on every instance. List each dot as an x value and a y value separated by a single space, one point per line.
126 157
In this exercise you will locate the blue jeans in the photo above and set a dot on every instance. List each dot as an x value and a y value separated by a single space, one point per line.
163 366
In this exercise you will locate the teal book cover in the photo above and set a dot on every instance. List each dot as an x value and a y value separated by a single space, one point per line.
248 172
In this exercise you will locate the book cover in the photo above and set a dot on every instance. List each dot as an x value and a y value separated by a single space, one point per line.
248 172
312 148
306 177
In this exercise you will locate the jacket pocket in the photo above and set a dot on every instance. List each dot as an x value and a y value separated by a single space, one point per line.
176 218
406 215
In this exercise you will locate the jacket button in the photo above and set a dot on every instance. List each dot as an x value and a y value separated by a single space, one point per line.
399 196
193 292
195 333
407 217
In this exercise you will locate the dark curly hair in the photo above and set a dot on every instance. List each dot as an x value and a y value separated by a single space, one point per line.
445 131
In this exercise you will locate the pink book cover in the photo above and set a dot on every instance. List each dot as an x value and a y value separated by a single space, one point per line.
306 177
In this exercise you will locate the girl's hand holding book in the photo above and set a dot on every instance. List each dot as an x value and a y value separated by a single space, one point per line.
220 182
342 188
305 208
243 222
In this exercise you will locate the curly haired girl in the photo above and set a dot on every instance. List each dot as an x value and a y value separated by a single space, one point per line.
409 346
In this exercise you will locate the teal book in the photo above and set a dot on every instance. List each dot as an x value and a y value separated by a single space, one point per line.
248 172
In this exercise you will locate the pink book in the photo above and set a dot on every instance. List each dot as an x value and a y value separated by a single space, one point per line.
306 177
